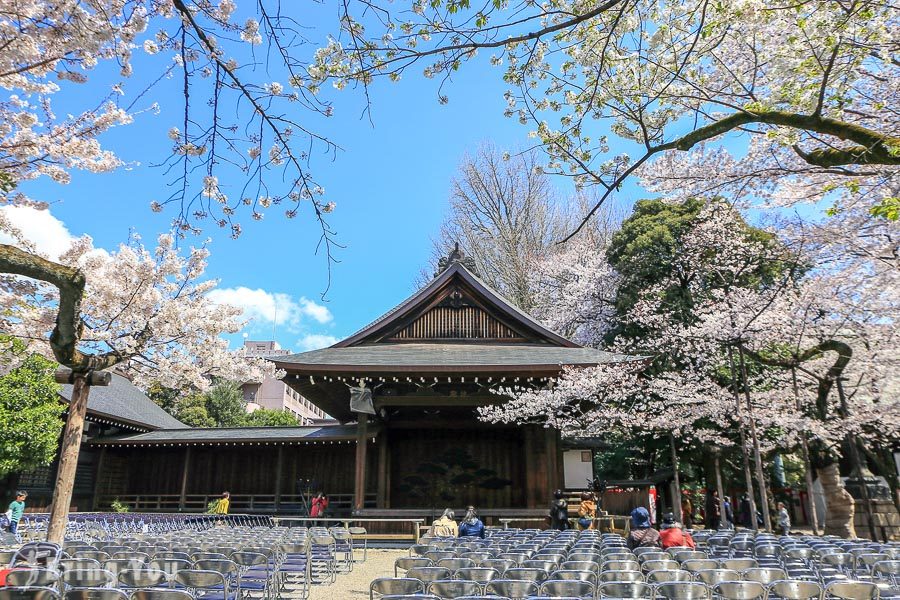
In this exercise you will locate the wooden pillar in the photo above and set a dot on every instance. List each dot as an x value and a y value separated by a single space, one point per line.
279 463
554 470
384 456
359 480
98 473
539 463
185 473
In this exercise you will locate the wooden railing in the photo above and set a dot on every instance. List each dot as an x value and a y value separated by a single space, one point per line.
287 504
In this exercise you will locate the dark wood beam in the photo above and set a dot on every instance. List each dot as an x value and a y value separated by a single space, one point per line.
384 457
185 473
359 480
279 464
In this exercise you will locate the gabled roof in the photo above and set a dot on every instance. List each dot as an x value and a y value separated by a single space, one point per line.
457 274
456 329
122 402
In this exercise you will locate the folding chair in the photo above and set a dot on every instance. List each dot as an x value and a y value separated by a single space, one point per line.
513 589
740 590
392 586
142 578
406 563
683 590
453 588
567 588
852 590
617 589
28 593
160 594
794 589
96 594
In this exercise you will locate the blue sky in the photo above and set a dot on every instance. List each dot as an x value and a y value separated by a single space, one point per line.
390 184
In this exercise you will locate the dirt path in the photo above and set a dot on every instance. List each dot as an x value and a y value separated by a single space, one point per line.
355 585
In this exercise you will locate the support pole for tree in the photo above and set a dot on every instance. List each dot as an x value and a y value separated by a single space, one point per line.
757 455
745 455
807 464
68 459
856 465
677 497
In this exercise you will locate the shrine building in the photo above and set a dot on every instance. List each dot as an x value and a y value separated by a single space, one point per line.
419 373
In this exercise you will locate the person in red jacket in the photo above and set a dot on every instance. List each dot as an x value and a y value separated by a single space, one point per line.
671 534
319 505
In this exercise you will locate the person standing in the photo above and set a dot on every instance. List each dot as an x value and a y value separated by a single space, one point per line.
319 506
16 510
784 519
712 514
687 512
728 520
559 512
471 525
744 516
223 504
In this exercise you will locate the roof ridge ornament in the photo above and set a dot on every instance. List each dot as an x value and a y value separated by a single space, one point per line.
456 256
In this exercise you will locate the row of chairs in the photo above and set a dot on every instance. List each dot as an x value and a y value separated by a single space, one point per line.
405 588
591 561
228 562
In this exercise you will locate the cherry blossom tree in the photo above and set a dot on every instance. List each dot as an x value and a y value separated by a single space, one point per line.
242 82
144 312
772 103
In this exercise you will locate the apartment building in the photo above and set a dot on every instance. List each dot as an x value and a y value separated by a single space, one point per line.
273 393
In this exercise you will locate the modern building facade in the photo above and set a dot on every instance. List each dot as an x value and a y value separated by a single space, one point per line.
272 393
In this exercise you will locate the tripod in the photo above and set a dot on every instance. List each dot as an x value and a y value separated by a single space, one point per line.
305 486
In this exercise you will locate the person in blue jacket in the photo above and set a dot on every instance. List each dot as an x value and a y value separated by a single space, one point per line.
471 525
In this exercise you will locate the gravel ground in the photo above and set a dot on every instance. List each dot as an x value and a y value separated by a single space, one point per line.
355 584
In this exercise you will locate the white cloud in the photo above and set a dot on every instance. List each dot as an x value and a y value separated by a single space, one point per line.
315 341
262 307
49 235
316 311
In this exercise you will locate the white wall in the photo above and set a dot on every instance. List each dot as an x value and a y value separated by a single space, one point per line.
578 467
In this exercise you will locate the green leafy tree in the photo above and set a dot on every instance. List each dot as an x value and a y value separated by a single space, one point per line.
30 411
191 410
225 404
648 248
165 397
265 417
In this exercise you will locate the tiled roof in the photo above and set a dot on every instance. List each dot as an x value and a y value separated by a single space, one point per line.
122 401
199 435
397 357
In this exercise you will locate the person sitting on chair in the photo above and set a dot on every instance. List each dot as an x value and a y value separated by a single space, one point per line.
445 526
559 512
642 535
471 525
587 511
671 534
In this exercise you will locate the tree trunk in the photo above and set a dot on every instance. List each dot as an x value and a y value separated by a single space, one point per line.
745 454
676 500
856 465
807 465
723 519
838 502
757 455
68 460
